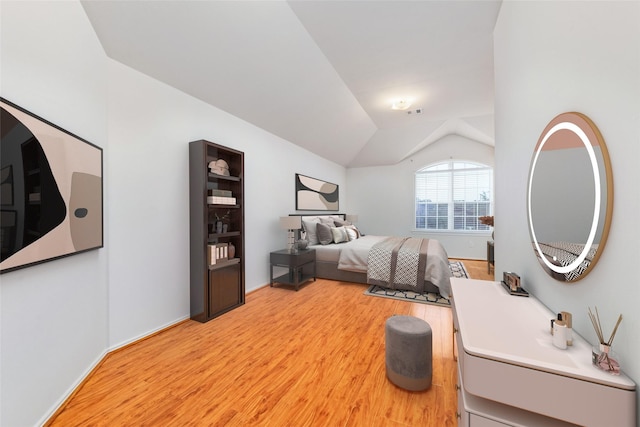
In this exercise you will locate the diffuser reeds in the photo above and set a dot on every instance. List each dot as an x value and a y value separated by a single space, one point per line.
603 358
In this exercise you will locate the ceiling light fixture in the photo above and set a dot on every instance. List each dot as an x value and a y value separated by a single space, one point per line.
401 104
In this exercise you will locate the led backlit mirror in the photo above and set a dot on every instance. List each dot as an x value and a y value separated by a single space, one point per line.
569 197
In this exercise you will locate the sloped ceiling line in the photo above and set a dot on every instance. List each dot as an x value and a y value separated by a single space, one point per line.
320 74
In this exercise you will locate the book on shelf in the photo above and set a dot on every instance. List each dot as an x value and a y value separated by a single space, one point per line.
220 193
211 254
219 200
223 251
217 253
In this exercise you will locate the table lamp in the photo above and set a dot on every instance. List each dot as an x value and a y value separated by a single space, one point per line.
291 223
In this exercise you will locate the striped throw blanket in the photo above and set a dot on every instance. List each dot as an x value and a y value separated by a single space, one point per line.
398 263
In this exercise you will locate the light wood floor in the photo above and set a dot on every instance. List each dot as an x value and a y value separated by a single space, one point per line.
309 358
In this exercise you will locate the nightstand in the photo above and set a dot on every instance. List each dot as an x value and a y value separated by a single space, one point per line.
490 256
301 266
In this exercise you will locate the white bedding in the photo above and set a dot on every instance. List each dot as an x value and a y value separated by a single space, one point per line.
328 253
353 257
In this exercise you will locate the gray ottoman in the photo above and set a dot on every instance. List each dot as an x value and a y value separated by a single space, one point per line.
408 345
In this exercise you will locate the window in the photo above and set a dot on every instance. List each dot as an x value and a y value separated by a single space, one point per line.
452 195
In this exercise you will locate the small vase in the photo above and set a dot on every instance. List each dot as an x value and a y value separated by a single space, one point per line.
606 359
232 250
218 227
225 228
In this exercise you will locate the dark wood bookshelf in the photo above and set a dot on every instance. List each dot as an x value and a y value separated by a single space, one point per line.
215 288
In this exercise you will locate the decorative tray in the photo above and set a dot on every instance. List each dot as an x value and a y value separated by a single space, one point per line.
518 292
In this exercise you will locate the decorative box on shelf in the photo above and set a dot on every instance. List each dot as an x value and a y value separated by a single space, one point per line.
219 200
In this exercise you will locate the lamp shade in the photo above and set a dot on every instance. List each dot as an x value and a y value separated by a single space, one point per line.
352 218
290 222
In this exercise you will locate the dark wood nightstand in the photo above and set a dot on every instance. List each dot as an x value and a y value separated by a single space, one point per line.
301 265
490 256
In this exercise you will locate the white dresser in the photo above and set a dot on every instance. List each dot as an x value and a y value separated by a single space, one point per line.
510 373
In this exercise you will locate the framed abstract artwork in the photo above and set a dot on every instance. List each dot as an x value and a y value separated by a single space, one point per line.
316 195
52 190
6 186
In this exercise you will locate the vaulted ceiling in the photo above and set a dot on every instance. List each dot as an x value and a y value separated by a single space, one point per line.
320 74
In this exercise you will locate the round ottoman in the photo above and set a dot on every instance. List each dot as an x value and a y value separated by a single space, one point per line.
408 345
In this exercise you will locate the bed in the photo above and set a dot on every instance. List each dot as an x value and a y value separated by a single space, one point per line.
348 259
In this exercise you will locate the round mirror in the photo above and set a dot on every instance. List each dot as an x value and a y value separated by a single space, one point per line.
569 197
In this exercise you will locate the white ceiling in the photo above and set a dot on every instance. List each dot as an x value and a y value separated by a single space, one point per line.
320 74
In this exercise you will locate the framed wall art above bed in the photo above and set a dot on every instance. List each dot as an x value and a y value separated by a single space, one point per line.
316 195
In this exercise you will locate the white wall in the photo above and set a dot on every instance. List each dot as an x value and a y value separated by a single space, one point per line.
58 319
53 316
384 197
150 126
550 58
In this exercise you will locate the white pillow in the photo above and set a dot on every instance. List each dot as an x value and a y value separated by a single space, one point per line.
339 234
352 232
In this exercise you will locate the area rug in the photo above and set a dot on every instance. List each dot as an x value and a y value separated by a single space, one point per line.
457 269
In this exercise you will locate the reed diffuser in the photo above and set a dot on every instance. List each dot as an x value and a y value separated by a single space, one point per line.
602 356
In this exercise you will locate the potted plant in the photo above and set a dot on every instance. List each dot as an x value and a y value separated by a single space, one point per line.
222 224
487 220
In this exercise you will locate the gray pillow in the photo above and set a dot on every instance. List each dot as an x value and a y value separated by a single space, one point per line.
328 221
325 237
341 222
310 228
